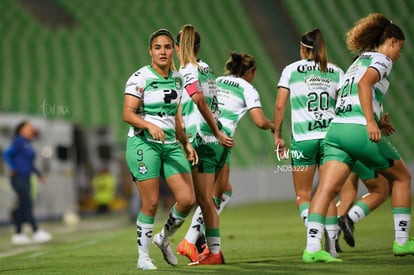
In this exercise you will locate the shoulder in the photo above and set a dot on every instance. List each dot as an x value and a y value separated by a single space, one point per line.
295 65
142 73
381 60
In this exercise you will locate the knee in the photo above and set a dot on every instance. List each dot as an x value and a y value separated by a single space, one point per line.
149 207
186 203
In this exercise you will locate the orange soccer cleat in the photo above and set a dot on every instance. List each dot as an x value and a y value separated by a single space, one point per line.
188 250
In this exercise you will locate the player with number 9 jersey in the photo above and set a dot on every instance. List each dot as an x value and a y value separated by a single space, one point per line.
159 100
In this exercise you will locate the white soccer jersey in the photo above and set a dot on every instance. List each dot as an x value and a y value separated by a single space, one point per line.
159 97
348 107
198 79
312 97
235 96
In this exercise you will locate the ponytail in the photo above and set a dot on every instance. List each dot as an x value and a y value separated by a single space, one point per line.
188 41
314 43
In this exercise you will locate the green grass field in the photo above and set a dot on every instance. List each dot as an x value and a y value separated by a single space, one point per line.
265 238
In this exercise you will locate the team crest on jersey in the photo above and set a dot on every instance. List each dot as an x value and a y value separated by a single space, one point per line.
143 169
178 83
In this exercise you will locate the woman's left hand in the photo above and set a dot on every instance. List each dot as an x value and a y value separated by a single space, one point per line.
191 153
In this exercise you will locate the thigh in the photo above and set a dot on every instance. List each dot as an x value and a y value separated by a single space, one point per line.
149 194
174 161
181 186
306 152
303 181
212 156
143 158
222 182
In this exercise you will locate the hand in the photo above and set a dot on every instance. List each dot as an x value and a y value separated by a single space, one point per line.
225 140
191 153
13 173
385 125
280 147
156 132
374 133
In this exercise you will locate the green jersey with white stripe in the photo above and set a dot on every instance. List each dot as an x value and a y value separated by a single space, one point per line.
198 79
235 96
348 107
159 100
312 97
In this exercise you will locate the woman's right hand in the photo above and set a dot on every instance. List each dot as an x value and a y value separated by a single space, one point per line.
374 132
280 147
156 132
225 140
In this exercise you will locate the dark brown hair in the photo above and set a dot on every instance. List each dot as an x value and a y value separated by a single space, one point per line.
239 64
314 42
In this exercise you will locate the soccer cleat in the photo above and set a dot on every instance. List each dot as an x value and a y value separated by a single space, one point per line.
205 251
347 226
318 256
210 259
405 249
167 252
20 239
146 264
201 243
41 236
188 250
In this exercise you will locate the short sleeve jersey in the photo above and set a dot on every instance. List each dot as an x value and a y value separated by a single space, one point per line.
159 100
348 107
312 97
235 96
198 79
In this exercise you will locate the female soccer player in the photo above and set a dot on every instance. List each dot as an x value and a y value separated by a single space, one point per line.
236 95
354 134
311 84
151 108
200 115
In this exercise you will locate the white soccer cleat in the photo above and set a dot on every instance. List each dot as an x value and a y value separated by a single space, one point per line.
146 264
41 236
167 252
20 239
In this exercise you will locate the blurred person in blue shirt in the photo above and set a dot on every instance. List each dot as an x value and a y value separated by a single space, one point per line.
20 158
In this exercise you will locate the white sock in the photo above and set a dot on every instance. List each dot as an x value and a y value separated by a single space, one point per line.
174 221
197 226
332 231
304 216
314 236
401 227
225 198
356 213
144 236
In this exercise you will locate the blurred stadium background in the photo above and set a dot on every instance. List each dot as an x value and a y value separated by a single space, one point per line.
64 64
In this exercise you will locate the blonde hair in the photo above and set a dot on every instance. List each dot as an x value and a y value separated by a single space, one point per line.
188 41
370 32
